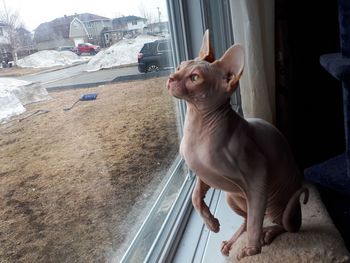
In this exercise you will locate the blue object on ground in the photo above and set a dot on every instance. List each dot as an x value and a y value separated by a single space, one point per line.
90 96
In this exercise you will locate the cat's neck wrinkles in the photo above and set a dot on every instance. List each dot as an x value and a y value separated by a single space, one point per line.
210 119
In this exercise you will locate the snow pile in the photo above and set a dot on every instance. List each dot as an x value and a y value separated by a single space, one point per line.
14 94
48 58
121 53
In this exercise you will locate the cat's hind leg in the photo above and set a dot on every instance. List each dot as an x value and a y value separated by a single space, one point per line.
226 245
289 220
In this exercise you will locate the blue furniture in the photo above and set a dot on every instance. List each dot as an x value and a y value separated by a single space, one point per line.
333 176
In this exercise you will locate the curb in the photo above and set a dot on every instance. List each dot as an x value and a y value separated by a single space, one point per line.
119 66
58 68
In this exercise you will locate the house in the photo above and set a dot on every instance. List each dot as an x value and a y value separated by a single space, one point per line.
26 45
70 30
157 28
20 46
132 25
126 26
111 36
5 48
88 28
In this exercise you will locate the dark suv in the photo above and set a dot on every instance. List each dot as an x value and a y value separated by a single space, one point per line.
155 56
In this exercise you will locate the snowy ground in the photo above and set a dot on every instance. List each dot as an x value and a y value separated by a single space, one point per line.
49 58
122 53
15 94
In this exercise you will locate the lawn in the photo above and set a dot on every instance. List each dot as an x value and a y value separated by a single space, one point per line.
70 180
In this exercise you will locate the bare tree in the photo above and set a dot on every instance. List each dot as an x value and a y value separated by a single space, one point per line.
11 19
147 14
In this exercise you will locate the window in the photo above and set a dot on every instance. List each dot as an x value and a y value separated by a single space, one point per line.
1 31
90 170
189 23
163 46
134 23
86 158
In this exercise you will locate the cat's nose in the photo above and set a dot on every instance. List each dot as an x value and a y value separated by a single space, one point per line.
171 78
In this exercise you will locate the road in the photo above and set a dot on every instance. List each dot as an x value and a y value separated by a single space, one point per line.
55 75
75 75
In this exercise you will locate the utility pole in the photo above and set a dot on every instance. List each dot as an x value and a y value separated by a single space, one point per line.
159 14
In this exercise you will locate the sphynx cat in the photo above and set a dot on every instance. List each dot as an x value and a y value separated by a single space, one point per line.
249 159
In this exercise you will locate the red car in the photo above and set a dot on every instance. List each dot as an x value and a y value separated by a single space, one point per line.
87 48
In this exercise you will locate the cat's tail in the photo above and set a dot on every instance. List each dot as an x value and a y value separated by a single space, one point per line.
291 218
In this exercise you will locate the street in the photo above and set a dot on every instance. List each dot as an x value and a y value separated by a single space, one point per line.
75 76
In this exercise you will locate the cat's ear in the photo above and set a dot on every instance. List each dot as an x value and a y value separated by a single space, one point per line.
206 52
232 62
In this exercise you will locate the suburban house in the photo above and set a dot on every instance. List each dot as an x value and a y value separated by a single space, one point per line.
5 49
125 26
26 45
21 43
111 36
88 29
130 24
157 28
70 31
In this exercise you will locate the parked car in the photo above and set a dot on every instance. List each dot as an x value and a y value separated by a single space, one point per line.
155 56
87 48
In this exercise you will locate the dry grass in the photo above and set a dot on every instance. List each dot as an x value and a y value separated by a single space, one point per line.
69 178
18 71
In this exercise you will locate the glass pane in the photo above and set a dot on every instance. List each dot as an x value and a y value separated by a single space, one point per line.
88 134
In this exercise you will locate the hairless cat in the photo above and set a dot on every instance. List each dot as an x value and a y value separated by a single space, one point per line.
249 159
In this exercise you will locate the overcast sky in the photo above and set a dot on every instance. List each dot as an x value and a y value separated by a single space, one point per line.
35 12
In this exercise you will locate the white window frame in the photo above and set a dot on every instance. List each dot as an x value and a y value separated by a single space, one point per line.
188 20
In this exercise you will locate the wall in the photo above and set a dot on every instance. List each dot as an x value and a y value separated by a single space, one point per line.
310 100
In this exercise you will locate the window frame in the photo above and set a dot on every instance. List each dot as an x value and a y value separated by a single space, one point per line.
187 24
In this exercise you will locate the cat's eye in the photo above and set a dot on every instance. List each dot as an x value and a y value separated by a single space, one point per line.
194 77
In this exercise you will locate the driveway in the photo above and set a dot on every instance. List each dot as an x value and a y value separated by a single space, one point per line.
76 76
51 76
96 77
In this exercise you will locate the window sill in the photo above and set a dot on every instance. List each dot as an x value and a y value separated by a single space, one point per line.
318 239
198 244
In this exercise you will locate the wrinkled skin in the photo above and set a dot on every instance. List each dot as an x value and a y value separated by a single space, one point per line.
249 159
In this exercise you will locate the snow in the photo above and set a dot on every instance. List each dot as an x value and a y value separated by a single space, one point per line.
123 52
49 58
14 94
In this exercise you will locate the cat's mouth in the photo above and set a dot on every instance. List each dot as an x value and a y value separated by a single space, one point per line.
174 89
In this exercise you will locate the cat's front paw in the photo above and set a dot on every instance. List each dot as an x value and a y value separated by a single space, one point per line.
213 224
226 247
248 251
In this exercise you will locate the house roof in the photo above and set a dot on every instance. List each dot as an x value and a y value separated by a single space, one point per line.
126 19
59 27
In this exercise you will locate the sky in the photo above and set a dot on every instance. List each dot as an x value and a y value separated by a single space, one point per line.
35 12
